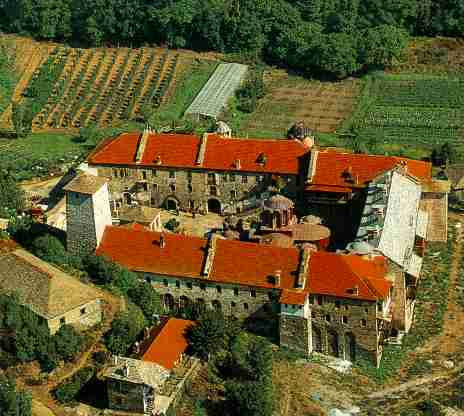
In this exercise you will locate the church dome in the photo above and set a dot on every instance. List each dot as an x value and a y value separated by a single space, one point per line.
279 203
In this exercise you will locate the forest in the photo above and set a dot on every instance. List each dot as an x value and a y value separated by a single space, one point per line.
333 38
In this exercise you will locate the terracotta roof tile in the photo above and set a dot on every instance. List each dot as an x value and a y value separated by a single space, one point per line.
139 250
330 166
292 297
180 150
169 344
336 275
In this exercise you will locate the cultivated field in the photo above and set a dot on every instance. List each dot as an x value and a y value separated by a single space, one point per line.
321 105
415 111
71 88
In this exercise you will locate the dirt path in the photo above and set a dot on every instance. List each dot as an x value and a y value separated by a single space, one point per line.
451 340
39 409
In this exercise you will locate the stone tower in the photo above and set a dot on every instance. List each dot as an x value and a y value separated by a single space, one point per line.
87 213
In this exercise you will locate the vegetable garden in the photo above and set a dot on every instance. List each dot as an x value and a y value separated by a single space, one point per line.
99 86
411 110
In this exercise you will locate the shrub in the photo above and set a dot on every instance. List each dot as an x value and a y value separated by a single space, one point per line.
49 248
68 390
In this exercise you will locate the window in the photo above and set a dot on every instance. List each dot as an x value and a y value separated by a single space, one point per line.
337 304
224 177
144 175
363 322
235 291
233 194
327 318
346 307
232 177
62 320
260 178
144 187
154 173
190 188
245 306
172 187
244 179
319 300
202 286
154 187
152 201
213 190
233 304
211 179
177 284
366 310
147 279
189 285
219 289
165 282
83 311
379 306
172 174
344 319
115 173
253 293
189 176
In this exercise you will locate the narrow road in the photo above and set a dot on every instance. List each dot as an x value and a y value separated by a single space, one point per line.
38 409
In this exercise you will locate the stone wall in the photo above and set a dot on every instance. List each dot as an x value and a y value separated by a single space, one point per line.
294 333
125 396
340 326
80 223
83 317
189 189
234 300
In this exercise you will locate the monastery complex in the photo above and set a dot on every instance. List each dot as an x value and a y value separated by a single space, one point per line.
336 255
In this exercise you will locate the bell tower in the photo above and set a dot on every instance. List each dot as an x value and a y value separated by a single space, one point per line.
87 213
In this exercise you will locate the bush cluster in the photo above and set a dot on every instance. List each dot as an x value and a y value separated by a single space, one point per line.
68 390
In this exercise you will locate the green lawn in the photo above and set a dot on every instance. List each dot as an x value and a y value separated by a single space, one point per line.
188 85
39 153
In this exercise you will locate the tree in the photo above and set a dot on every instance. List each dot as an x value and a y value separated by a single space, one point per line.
68 342
11 195
147 299
100 269
383 44
13 402
49 248
208 335
250 398
124 330
337 55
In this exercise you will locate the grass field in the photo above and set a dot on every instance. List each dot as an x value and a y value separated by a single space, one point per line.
7 75
188 84
408 113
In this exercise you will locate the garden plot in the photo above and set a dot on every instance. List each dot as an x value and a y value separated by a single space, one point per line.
220 88
411 110
321 105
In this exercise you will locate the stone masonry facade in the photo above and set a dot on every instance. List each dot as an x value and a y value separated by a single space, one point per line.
85 316
190 189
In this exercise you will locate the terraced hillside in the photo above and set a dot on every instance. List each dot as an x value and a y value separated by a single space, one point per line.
102 86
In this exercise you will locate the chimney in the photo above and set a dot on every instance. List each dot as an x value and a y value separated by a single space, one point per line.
277 276
237 164
126 370
202 150
158 160
162 242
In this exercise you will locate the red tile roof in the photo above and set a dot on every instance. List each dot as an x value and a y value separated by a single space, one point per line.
180 151
330 166
139 250
184 256
253 264
337 275
169 344
243 263
292 297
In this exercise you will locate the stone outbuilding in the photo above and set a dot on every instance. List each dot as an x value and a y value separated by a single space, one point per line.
55 297
148 217
143 385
